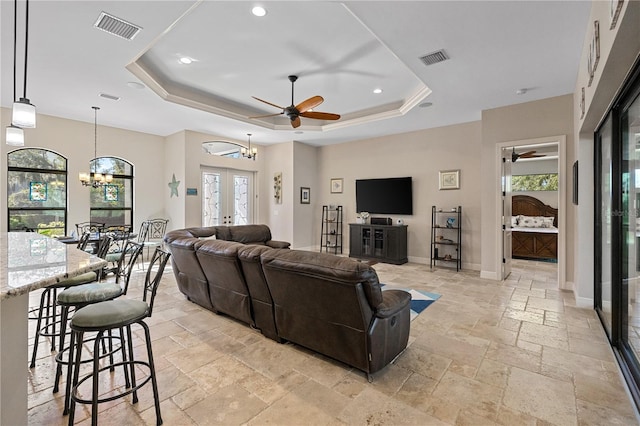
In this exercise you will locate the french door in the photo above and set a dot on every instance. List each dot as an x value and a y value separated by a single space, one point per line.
227 197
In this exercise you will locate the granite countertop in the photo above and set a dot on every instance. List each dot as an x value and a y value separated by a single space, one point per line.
29 261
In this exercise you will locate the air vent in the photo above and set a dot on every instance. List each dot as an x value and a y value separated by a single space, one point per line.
117 26
110 97
434 57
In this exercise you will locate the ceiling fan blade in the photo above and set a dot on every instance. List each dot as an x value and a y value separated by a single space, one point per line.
532 156
268 103
321 115
526 154
312 102
295 123
267 115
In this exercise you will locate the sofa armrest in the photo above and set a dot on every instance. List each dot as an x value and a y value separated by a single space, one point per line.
393 301
278 244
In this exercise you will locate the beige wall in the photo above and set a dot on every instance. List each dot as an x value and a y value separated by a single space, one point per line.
279 217
305 159
618 50
174 149
531 120
75 140
419 155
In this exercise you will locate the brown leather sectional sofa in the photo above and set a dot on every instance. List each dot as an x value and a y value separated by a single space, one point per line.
330 304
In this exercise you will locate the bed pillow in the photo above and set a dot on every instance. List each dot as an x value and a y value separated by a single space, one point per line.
536 221
514 220
547 221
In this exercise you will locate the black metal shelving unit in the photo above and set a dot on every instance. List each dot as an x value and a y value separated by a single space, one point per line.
331 231
446 237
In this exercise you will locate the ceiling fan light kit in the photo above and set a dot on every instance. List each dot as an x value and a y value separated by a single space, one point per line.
303 109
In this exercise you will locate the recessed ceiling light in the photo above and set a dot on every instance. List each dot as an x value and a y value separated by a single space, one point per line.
376 91
298 132
135 85
522 91
425 104
259 11
185 60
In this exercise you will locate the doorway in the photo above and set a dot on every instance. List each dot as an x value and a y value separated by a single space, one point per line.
551 148
227 197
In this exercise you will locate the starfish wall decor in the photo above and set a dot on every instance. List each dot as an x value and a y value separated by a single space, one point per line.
174 186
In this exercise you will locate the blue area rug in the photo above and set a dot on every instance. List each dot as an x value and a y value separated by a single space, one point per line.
420 300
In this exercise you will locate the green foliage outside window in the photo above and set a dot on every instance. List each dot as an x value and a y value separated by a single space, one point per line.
541 182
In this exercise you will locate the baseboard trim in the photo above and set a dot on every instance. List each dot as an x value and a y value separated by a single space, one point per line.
489 275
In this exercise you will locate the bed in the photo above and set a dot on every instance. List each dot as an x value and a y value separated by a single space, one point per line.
534 229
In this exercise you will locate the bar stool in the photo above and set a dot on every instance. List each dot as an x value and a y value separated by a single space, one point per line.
110 315
95 292
48 310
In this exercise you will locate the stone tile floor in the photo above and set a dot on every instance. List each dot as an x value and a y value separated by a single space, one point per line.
517 352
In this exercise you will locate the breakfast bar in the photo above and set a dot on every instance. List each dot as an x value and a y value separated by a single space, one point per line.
28 262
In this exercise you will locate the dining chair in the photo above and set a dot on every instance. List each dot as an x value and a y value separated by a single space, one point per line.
151 233
92 227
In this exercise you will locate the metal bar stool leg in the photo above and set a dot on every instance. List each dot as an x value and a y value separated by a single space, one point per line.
152 372
43 296
69 403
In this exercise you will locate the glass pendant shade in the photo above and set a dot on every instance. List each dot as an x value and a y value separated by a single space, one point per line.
15 136
24 114
84 177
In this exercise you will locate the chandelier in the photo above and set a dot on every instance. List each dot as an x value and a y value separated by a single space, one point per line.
249 152
94 178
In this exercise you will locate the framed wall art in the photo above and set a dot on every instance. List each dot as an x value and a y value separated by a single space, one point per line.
449 179
336 185
614 12
305 195
277 187
593 56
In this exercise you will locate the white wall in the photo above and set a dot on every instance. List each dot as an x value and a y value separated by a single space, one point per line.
75 140
420 155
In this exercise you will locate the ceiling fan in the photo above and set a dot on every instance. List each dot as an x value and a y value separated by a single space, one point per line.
528 154
303 109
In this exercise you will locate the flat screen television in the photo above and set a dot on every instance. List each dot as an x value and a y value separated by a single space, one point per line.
384 196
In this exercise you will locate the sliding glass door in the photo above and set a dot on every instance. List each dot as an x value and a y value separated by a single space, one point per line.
630 134
617 229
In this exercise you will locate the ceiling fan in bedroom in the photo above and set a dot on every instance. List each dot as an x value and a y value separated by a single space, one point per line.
528 154
303 109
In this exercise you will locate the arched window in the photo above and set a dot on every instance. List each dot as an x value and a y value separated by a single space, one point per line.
112 204
37 191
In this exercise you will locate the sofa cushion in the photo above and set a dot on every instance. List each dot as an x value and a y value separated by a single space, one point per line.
248 234
329 266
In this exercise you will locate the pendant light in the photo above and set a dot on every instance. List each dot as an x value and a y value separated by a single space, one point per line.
24 113
249 152
95 179
14 135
